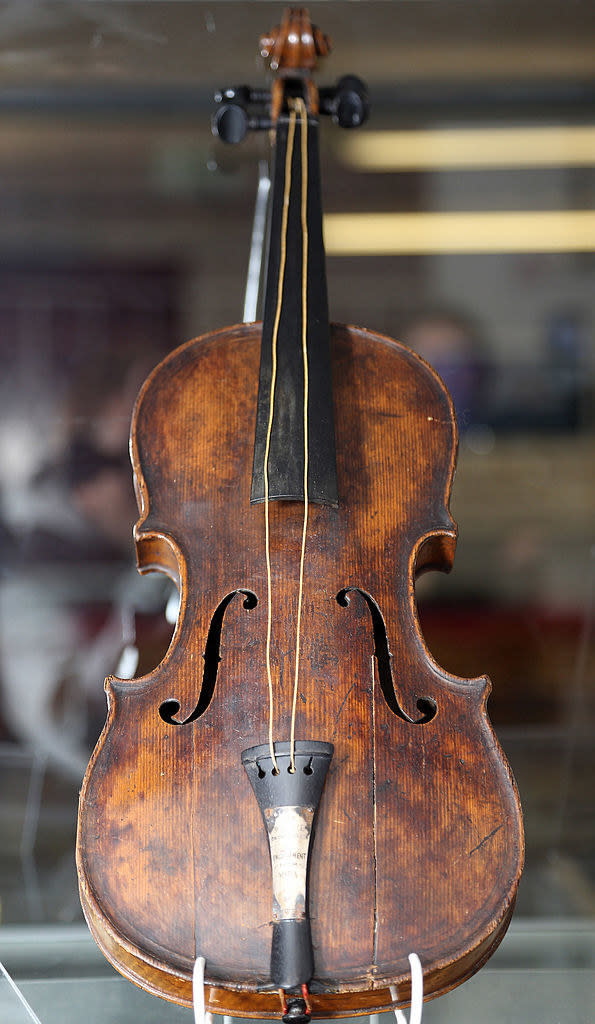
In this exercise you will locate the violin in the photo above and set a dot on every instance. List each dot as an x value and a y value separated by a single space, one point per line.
298 793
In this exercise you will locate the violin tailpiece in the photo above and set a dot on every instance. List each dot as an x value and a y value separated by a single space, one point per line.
288 802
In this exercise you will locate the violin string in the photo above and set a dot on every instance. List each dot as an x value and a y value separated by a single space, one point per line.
282 260
301 107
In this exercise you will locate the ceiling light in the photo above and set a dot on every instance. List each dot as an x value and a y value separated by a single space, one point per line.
444 148
469 232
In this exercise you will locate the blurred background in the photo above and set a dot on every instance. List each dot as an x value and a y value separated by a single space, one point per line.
459 220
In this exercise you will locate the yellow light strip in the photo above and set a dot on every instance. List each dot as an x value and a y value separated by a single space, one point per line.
400 233
440 148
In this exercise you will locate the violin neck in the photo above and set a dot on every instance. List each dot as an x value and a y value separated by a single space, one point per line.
284 290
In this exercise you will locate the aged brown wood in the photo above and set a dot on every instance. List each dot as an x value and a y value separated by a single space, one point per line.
293 47
418 845
295 44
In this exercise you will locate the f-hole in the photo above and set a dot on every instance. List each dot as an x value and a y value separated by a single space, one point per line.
170 707
425 705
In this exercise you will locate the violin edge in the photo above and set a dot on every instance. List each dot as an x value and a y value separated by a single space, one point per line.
239 1000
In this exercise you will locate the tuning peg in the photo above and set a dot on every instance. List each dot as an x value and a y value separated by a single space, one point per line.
230 122
347 102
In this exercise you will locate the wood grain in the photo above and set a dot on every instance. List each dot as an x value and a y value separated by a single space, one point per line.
418 845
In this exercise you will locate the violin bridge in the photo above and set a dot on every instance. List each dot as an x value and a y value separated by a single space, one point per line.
288 802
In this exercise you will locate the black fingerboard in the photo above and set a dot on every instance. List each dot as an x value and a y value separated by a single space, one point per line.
286 455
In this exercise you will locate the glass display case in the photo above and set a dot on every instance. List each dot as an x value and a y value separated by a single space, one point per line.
459 220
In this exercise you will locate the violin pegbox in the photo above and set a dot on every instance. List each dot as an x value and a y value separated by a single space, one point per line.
292 50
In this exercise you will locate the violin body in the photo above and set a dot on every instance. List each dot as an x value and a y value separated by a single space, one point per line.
418 842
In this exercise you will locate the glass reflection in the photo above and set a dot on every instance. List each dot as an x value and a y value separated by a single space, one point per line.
125 231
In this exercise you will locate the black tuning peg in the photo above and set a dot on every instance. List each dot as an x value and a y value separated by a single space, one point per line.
231 121
347 102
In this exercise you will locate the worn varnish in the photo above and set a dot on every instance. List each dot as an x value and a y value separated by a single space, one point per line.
418 845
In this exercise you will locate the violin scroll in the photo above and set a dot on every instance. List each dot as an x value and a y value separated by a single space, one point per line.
294 45
292 50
